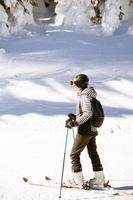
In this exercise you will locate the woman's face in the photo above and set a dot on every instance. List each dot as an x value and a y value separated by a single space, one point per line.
76 88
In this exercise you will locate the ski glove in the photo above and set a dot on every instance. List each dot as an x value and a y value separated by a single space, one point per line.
70 123
72 116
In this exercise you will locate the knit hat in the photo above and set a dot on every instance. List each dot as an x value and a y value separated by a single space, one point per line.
80 80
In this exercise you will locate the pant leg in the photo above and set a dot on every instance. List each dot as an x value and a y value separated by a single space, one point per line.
79 144
93 154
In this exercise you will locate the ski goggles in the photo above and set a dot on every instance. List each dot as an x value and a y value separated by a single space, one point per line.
72 82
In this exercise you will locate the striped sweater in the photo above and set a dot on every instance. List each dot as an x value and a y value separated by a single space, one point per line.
84 100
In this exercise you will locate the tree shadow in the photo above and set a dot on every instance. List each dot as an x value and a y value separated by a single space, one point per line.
117 112
14 106
124 188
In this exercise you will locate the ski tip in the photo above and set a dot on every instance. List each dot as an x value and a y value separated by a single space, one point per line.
47 178
25 179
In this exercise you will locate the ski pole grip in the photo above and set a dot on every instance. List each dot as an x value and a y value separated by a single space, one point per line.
72 116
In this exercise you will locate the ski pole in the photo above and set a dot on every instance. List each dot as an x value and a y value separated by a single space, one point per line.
63 164
73 133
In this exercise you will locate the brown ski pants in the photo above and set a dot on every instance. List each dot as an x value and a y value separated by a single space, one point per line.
80 142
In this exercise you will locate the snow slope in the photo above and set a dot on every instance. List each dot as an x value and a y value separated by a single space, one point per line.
35 97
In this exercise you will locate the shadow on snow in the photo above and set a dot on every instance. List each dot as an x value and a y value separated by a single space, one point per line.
13 106
124 188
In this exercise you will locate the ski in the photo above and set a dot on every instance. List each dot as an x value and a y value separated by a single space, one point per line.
106 191
48 182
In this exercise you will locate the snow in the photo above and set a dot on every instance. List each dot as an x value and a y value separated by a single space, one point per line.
130 30
36 65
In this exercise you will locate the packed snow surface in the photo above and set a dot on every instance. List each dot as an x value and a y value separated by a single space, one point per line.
35 98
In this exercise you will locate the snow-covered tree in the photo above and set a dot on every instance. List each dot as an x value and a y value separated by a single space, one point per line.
3 21
72 12
108 13
14 15
110 19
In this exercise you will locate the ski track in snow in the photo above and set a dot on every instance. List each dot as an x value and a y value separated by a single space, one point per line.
35 98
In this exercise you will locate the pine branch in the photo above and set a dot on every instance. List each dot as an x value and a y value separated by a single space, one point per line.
22 4
7 9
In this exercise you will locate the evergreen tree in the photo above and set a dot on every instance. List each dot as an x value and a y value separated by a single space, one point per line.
19 12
